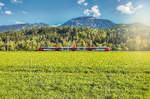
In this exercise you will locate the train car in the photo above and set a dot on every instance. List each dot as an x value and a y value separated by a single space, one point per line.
90 48
74 49
47 49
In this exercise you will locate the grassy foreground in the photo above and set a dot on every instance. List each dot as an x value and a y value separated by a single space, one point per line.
75 75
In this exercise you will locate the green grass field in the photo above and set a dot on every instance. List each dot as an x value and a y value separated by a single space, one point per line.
75 75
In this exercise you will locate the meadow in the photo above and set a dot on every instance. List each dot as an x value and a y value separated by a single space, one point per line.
74 75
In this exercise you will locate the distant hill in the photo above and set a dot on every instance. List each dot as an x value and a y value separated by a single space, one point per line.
5 28
132 37
89 22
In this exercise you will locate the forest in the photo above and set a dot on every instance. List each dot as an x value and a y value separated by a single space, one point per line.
123 37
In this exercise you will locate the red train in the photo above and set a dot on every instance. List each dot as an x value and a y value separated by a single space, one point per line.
74 49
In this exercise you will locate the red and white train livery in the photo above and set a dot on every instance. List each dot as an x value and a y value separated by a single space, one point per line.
74 49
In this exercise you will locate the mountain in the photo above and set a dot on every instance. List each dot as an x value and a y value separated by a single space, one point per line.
5 28
89 22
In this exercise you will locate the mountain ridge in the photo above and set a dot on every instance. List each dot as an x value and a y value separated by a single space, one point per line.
84 21
89 21
4 28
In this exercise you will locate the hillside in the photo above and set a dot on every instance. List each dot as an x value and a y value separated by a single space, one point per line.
89 22
5 28
120 37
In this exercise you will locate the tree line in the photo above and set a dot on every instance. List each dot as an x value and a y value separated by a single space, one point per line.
120 37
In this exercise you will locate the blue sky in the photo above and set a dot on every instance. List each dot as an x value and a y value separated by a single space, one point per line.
56 12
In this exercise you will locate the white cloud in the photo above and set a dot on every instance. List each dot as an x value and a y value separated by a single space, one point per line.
18 22
128 8
82 2
87 12
16 1
56 25
8 12
139 6
94 11
2 4
85 4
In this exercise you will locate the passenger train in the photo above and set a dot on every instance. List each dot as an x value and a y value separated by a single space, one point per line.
74 49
